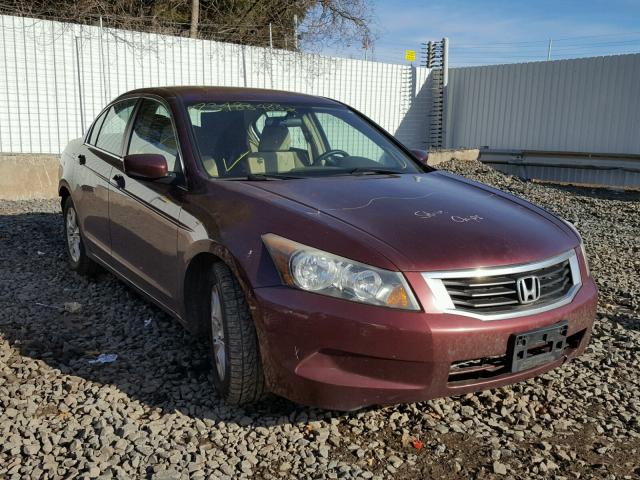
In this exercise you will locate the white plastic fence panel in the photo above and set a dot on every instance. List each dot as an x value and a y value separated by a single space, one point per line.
55 77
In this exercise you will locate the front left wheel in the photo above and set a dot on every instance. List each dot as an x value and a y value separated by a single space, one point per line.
237 371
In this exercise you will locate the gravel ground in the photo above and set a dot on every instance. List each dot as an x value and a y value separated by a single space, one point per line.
152 412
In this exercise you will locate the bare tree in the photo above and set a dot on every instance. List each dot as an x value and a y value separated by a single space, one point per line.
195 14
331 21
241 21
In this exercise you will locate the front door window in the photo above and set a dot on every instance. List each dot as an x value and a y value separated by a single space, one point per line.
153 133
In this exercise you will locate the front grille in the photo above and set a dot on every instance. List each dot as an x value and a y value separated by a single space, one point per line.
495 294
492 293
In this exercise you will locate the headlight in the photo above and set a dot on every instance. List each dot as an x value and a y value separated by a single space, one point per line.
582 249
313 270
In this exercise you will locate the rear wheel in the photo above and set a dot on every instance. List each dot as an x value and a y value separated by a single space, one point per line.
237 371
76 252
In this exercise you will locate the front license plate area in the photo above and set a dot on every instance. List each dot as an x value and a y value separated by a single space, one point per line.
537 347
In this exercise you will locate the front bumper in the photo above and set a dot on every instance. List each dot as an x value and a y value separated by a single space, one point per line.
341 355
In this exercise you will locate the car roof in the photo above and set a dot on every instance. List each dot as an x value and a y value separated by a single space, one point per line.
193 94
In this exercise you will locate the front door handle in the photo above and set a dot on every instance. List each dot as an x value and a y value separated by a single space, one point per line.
118 180
82 159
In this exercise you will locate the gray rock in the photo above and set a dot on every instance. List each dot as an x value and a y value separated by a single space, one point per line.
155 406
499 468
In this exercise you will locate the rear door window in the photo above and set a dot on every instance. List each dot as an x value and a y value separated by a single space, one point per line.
111 133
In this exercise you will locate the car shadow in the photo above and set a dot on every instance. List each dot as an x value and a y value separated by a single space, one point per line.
51 314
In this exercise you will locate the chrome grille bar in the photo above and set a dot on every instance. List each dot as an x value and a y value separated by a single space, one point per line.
491 293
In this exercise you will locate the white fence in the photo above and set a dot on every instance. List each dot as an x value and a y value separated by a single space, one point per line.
57 77
583 105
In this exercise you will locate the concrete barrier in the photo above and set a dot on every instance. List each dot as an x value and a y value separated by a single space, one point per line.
28 176
436 157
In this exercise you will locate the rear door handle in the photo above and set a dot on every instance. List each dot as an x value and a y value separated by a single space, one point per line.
118 181
82 159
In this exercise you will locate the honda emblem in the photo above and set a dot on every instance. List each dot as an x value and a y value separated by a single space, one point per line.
528 289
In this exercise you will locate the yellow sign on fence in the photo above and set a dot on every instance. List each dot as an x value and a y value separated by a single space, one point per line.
410 55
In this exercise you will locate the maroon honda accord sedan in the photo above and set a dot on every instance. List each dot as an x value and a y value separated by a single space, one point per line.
323 260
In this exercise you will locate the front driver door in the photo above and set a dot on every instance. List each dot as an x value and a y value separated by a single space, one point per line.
144 214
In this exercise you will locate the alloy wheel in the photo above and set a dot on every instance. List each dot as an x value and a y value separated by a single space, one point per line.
73 235
217 334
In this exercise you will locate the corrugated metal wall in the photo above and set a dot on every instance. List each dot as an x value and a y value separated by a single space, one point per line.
55 77
583 105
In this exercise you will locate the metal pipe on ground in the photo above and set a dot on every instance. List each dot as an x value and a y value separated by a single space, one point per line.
577 168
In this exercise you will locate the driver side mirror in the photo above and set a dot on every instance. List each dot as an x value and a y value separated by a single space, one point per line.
146 166
421 155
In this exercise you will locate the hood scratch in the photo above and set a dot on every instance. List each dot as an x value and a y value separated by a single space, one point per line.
374 199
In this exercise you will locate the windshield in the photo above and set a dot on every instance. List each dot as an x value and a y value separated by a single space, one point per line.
240 139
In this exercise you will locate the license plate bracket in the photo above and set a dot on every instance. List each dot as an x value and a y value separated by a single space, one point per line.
537 347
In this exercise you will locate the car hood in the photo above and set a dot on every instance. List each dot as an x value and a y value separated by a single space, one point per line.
433 221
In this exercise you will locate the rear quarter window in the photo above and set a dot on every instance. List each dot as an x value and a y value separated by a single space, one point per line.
96 128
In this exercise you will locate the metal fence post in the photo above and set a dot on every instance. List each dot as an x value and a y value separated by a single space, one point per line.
445 90
102 69
81 104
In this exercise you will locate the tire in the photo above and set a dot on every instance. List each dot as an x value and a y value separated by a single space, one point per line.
77 256
237 369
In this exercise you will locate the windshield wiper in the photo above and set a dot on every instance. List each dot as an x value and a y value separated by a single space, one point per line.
261 177
374 170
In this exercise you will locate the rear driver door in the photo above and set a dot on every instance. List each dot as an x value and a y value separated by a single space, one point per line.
101 150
